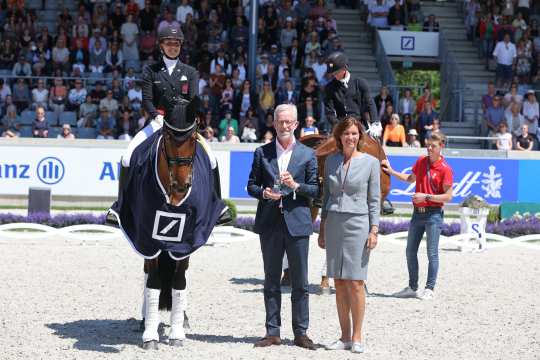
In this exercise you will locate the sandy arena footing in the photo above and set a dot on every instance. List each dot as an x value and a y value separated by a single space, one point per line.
63 300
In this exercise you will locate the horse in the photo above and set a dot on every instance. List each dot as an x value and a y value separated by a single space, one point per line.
163 168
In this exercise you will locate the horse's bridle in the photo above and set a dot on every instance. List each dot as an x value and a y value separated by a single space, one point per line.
177 161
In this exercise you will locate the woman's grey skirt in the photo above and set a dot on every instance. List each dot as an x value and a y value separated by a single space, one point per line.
347 255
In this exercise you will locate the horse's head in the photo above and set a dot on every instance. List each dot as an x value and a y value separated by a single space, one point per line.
181 119
178 148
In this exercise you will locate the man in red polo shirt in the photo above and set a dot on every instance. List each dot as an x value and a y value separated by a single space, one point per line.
434 179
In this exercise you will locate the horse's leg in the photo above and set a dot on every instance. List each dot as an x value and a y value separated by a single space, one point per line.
151 294
179 303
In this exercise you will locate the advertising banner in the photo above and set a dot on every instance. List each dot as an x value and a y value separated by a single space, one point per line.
410 43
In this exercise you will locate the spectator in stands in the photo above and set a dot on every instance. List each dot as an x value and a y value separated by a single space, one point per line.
230 137
425 121
222 60
407 104
87 113
288 95
79 56
268 125
114 59
8 54
227 96
135 96
386 117
208 134
109 103
320 69
413 24
487 100
40 95
80 28
11 126
512 96
412 141
296 58
531 112
309 127
378 13
127 126
97 58
268 137
505 54
116 88
105 125
168 20
40 126
471 19
66 133
22 67
245 99
267 99
77 96
394 133
382 100
5 91
288 34
397 14
183 10
524 61
98 93
302 9
431 24
130 44
425 98
249 130
96 35
494 116
129 78
60 55
21 95
217 84
525 141
524 8
227 122
504 138
513 118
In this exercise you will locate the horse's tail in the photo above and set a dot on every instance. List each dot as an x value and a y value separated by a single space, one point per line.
166 272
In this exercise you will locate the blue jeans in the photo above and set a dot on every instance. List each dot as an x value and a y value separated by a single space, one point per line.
430 223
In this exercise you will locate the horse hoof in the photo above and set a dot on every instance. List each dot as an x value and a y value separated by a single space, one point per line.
176 342
150 345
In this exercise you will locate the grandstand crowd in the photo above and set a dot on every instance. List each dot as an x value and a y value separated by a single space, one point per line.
83 80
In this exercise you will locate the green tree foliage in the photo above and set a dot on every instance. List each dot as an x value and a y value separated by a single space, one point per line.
417 80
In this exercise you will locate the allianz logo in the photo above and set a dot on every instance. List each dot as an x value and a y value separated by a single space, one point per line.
490 183
49 170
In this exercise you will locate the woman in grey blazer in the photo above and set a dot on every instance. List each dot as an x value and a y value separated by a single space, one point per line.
349 226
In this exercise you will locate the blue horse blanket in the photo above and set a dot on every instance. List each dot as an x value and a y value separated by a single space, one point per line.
147 218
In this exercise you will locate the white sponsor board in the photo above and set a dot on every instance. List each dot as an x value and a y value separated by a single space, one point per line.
410 43
76 171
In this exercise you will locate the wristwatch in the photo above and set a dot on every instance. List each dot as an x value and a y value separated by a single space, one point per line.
428 197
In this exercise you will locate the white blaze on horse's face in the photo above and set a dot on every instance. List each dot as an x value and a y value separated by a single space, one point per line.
350 137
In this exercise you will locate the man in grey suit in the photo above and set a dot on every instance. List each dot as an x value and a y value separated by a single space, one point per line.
283 178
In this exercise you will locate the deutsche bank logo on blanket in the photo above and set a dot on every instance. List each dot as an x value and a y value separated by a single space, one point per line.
407 43
168 226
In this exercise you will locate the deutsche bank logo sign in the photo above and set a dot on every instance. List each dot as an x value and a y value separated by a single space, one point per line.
407 43
168 226
50 170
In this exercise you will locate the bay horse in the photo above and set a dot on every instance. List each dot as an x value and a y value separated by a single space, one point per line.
165 214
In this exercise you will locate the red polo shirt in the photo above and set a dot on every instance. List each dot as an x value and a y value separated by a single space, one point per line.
441 174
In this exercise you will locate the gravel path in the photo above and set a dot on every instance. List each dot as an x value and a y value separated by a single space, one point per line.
64 300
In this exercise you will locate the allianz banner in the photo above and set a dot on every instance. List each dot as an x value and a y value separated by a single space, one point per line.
495 180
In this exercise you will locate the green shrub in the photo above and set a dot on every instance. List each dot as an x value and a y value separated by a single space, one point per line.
232 207
494 215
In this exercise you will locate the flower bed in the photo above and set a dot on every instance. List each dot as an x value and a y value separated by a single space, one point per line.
516 226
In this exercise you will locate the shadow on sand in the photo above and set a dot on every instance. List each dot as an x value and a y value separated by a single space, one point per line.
103 335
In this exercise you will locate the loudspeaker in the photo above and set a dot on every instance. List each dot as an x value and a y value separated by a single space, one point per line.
39 200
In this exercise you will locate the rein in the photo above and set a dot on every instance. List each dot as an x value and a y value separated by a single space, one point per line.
174 185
